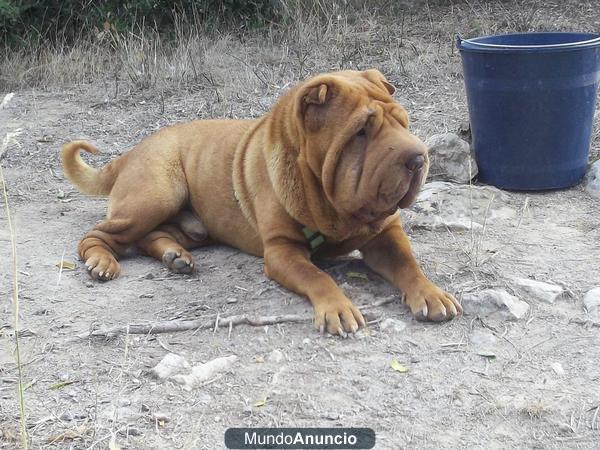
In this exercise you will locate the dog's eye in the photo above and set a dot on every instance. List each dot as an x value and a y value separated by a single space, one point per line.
362 132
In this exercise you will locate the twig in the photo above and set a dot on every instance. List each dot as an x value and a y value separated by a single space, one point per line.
378 303
60 268
593 426
590 323
173 326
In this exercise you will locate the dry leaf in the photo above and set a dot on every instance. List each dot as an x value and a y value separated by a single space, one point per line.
68 435
398 367
66 265
8 435
261 402
360 275
62 384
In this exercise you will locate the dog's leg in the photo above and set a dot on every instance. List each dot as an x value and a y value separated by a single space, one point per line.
134 211
390 255
169 242
100 247
288 263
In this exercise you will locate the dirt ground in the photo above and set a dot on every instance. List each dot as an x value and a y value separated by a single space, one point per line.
87 393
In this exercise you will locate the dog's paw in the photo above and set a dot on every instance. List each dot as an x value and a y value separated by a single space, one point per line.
103 267
428 302
179 261
338 316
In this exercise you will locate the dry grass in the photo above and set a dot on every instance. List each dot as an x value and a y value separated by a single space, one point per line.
330 35
15 292
414 47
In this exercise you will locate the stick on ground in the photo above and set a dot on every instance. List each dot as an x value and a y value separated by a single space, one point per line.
173 326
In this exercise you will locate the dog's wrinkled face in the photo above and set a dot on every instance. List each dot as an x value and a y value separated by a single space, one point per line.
357 143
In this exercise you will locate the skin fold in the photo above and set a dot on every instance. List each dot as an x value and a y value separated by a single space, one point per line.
334 154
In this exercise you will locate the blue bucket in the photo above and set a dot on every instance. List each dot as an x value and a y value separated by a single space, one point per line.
531 102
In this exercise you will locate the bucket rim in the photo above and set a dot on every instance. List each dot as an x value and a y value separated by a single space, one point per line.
474 45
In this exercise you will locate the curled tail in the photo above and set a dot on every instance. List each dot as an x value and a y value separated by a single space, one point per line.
88 179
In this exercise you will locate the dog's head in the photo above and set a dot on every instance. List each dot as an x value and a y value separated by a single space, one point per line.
355 140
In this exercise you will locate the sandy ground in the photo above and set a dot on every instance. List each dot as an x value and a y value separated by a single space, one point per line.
87 393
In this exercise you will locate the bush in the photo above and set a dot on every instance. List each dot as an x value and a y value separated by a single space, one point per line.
23 21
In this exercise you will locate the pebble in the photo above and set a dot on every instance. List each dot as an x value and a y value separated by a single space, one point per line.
540 290
132 431
557 368
68 416
592 180
591 300
275 356
483 340
494 302
170 364
160 417
393 325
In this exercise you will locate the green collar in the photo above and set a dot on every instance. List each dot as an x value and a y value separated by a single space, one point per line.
314 238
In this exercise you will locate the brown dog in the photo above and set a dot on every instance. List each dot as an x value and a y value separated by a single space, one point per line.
333 156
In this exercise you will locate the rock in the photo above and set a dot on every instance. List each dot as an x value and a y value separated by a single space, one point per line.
130 431
491 302
169 365
275 356
204 372
450 159
591 301
483 340
539 290
592 180
557 368
450 206
160 417
393 325
68 416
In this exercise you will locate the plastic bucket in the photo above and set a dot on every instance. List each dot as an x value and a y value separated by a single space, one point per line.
531 102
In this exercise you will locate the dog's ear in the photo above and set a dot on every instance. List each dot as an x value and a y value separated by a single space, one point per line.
315 94
312 100
377 77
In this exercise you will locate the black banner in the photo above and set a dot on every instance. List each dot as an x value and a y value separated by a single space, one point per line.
299 438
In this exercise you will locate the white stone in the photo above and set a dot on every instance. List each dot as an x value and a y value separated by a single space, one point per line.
275 356
204 372
557 368
592 180
169 365
449 158
591 301
393 325
494 302
483 340
456 207
539 290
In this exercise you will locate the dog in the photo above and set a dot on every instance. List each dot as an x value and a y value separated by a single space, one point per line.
323 173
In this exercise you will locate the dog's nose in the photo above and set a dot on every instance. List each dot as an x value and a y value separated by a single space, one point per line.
415 163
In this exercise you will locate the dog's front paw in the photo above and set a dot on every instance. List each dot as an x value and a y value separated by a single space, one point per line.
428 302
338 316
